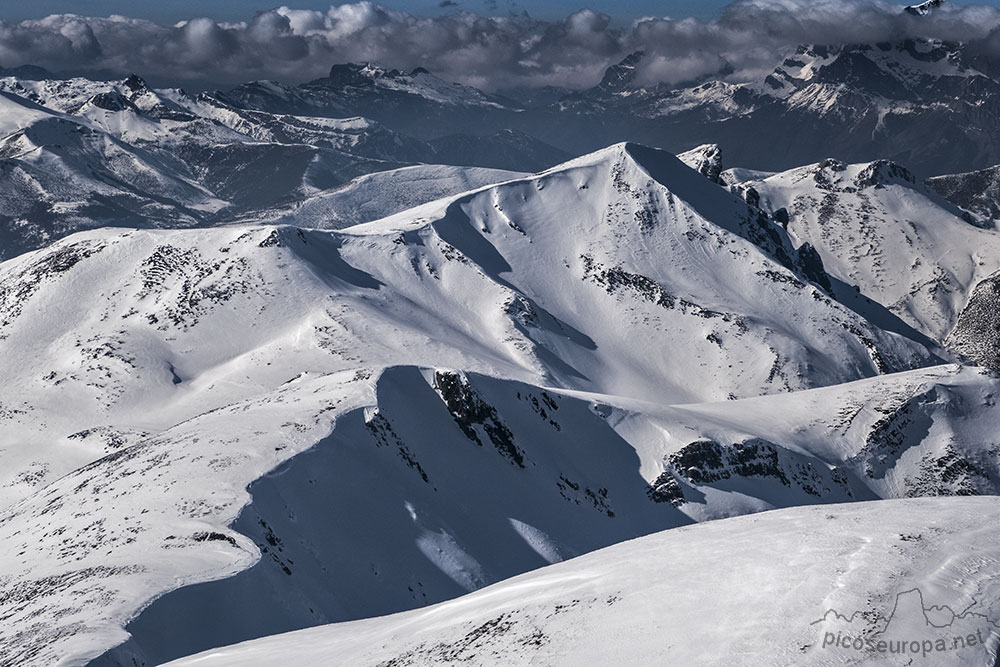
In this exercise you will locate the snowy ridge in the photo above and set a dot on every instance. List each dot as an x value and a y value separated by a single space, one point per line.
855 217
637 263
623 274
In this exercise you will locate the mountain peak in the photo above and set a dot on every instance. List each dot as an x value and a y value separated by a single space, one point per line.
706 160
619 77
111 100
134 82
880 173
346 74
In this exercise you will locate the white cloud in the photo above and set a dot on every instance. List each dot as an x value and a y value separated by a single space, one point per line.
488 51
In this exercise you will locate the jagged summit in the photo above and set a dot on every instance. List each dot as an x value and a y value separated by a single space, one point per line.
135 83
621 76
881 173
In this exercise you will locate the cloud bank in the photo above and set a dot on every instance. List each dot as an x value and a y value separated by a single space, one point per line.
485 51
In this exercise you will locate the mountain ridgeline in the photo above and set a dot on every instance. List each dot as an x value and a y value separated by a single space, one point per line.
366 359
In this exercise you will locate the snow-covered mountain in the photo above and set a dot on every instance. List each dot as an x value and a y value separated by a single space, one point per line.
80 154
302 375
856 102
523 339
894 249
640 289
372 360
881 232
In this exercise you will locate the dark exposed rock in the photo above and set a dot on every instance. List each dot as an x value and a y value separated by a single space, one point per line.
665 489
469 410
706 461
880 173
810 264
978 192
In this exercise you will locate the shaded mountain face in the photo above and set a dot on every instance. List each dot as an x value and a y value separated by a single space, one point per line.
977 192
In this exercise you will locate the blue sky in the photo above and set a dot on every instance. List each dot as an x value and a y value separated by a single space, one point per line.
229 10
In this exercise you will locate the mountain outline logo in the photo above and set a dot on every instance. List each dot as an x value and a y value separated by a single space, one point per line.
912 627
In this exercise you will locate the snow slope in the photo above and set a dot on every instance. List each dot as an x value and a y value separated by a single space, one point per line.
380 194
554 476
879 231
595 276
716 593
168 370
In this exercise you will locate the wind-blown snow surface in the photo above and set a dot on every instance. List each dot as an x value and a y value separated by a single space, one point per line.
755 590
159 373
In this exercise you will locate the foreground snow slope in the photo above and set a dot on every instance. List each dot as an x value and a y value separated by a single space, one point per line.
541 476
471 479
745 591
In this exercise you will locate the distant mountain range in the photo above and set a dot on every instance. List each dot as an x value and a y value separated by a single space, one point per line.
929 104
